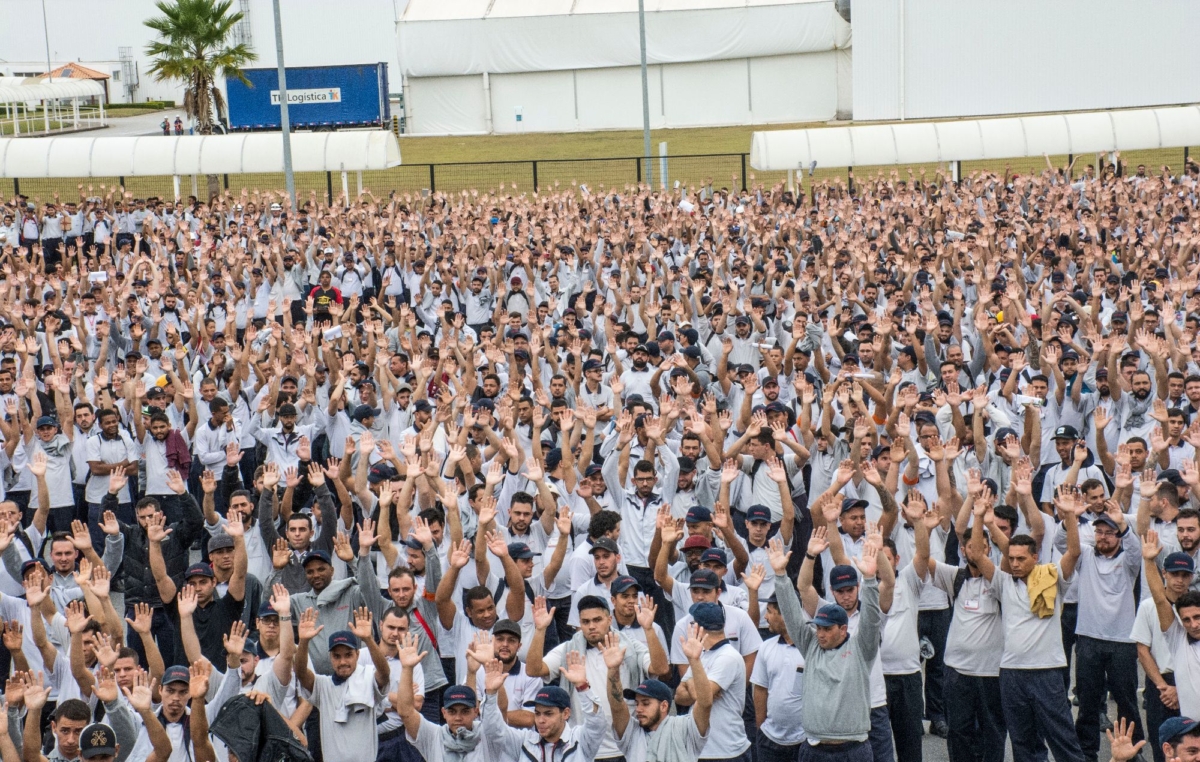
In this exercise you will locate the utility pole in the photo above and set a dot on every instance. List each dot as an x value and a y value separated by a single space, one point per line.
647 162
46 32
283 108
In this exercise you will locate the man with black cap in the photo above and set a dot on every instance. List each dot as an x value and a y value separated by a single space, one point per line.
553 737
283 440
606 555
459 739
658 736
213 613
1154 655
634 616
348 697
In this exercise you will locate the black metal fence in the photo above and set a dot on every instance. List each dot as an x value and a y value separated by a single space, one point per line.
722 170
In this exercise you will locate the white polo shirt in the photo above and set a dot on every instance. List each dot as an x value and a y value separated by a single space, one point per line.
1148 632
739 631
726 670
901 651
779 669
1186 659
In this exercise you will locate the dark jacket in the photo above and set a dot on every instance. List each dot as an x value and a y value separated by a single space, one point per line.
257 733
140 586
292 576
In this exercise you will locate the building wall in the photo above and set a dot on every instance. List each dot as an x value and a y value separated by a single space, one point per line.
917 59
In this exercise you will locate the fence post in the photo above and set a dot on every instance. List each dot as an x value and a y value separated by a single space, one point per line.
743 172
535 179
16 186
226 182
1185 157
122 182
329 188
639 170
432 184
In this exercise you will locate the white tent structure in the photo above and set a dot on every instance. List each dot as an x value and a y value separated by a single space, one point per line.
243 153
505 66
16 92
975 139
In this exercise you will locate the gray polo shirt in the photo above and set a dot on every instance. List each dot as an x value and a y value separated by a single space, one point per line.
1030 641
1107 606
677 739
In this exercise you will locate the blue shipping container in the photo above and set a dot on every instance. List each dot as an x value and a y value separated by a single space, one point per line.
320 97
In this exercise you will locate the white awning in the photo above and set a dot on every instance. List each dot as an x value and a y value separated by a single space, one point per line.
196 155
13 90
975 139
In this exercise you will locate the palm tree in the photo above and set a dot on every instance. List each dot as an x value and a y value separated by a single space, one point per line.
194 45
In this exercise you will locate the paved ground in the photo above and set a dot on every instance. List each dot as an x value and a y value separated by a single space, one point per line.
132 126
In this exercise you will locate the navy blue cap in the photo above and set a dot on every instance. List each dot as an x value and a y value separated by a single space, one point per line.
1179 562
344 638
831 615
710 616
758 513
265 609
659 691
423 406
97 740
991 484
1006 432
693 353
714 554
550 695
1066 432
485 402
25 567
843 577
592 364
382 472
362 412
1173 476
1174 727
623 583
698 514
198 570
605 543
705 579
593 469
850 503
251 646
47 420
459 694
1106 521
519 551
686 465
176 674
554 456
317 555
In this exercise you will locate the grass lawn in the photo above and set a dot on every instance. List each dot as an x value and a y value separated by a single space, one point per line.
117 113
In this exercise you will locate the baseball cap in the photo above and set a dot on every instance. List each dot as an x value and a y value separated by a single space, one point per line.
47 420
343 638
176 674
714 554
550 695
519 551
705 579
25 567
696 541
423 406
843 577
459 694
507 626
553 458
1179 562
710 616
287 409
698 514
1175 727
851 503
830 615
382 472
265 609
758 513
604 543
592 364
219 541
623 583
1066 432
1106 521
362 412
316 555
1173 476
198 570
693 353
655 689
97 740
686 465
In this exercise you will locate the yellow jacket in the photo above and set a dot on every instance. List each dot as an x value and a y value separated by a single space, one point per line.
1043 586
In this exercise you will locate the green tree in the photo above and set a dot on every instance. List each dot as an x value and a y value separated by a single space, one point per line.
194 46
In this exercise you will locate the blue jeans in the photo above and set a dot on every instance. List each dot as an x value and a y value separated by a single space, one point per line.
1038 714
880 737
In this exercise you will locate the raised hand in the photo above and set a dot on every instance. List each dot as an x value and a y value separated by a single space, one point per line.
407 651
185 604
494 676
575 669
308 628
105 686
481 650
142 618
156 530
778 558
542 617
753 578
460 556
198 677
693 642
613 650
1120 738
235 640
360 625
140 695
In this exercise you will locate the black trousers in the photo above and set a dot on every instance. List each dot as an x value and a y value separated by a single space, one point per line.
1070 615
769 751
846 752
935 625
904 713
1102 666
1157 714
975 715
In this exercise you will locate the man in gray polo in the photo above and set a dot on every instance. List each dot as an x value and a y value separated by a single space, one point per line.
837 665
